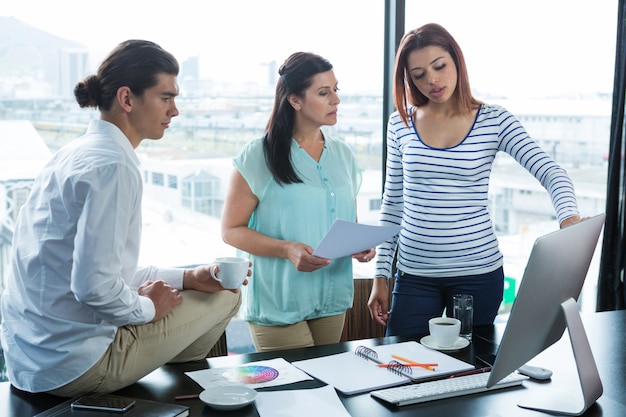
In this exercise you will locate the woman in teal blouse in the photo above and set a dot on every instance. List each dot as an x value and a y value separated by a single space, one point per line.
287 189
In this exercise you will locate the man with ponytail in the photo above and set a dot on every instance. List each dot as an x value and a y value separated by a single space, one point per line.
78 314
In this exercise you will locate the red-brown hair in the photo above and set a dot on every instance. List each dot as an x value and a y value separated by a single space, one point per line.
404 91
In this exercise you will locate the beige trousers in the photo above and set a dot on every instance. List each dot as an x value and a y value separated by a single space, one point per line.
186 334
314 332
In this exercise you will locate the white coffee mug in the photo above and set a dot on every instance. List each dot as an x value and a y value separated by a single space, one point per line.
444 330
231 271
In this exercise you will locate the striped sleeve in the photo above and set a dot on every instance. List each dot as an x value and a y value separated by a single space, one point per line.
440 196
392 204
515 141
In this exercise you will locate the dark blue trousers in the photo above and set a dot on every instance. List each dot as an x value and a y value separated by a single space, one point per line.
417 299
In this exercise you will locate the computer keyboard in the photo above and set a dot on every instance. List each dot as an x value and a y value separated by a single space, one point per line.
444 388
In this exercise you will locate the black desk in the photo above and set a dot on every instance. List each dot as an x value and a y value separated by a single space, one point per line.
606 332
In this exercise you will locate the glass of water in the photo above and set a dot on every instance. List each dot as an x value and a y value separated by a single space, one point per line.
464 311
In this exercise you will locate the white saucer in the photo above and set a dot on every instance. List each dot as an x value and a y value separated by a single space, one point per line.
228 397
460 343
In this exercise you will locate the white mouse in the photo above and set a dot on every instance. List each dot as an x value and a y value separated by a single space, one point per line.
535 372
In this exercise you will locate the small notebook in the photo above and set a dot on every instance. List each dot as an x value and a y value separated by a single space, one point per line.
142 408
358 371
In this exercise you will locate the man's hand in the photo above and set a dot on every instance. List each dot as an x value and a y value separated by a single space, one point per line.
200 279
164 297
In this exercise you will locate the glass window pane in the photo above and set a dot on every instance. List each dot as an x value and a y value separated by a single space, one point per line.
229 61
557 78
229 53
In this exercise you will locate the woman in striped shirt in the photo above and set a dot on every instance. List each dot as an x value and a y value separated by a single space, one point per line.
441 144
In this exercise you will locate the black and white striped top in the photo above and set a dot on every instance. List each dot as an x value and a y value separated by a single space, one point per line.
440 196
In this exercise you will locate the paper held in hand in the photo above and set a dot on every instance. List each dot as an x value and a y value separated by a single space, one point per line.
345 238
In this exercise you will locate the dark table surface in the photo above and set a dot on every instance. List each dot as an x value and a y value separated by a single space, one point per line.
606 332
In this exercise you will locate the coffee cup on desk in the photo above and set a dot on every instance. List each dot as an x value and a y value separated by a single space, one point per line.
444 330
231 271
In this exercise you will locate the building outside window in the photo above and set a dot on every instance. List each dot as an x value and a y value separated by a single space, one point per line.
200 194
230 57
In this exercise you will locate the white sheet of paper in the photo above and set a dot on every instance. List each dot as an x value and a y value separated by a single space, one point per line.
352 374
312 402
287 374
345 238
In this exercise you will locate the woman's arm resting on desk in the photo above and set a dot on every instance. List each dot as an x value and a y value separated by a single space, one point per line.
239 205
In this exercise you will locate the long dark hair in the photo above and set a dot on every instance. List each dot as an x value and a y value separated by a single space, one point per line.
405 92
134 64
296 75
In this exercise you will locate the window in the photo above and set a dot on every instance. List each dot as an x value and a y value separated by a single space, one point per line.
229 56
200 194
226 87
172 181
157 178
375 204
563 98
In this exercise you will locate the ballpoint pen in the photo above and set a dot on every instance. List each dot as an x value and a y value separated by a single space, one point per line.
472 372
187 397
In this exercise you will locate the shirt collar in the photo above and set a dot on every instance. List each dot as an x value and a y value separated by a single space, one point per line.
99 126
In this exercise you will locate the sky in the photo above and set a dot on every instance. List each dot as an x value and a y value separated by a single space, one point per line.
529 47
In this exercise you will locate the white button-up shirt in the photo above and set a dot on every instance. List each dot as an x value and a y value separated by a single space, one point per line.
75 251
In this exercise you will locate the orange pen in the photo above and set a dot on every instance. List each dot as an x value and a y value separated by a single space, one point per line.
429 366
423 365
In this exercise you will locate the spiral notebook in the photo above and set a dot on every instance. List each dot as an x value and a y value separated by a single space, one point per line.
359 371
